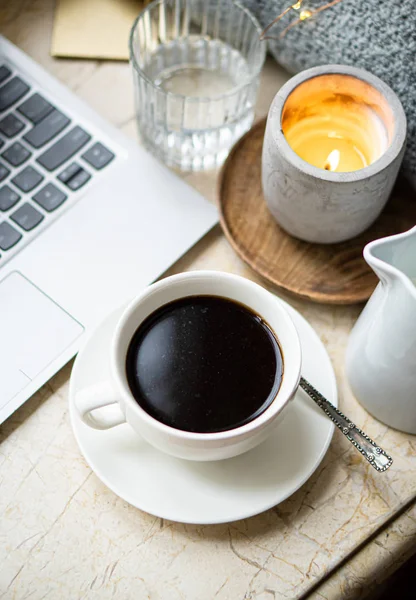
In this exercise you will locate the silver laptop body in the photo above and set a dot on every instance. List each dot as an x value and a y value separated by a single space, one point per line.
87 219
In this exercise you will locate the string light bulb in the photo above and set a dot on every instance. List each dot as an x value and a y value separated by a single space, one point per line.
304 14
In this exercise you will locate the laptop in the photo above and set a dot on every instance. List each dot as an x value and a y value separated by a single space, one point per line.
87 219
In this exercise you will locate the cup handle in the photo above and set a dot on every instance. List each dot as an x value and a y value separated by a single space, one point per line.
97 396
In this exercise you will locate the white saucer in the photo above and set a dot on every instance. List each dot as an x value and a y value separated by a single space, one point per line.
214 492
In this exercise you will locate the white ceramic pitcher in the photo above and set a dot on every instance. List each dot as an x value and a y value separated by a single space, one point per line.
381 353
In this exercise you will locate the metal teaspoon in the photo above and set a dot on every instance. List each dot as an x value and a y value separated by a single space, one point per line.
375 455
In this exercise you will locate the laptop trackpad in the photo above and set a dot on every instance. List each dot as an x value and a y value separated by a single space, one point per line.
33 332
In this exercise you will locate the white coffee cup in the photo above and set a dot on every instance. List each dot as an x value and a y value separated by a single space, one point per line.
108 404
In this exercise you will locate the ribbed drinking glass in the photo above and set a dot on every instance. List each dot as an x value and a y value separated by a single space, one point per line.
196 66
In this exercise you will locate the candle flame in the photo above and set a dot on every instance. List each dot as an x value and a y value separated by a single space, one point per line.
332 161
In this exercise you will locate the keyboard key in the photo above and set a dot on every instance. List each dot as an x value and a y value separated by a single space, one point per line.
11 92
50 197
11 125
4 73
4 171
27 179
78 180
64 148
69 172
35 108
8 197
9 236
98 156
16 154
47 129
27 217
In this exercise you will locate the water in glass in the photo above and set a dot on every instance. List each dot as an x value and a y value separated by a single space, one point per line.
196 83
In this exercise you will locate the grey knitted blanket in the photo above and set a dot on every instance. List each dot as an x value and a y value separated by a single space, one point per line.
377 35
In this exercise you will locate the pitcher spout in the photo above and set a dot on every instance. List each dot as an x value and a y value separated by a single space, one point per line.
393 259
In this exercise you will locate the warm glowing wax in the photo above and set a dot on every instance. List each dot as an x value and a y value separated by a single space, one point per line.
334 126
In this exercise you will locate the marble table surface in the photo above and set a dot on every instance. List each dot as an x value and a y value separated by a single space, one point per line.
63 534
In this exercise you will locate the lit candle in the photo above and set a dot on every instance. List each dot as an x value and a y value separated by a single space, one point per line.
334 142
329 122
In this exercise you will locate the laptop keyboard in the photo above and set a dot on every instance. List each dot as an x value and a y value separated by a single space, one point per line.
38 173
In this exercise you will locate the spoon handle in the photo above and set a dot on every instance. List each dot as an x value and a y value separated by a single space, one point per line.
375 455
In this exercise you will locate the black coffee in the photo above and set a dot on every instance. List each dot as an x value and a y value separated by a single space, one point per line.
204 364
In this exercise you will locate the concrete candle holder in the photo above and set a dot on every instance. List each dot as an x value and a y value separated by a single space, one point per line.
325 206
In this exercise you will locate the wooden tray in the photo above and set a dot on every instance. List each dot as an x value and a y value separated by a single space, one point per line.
336 273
